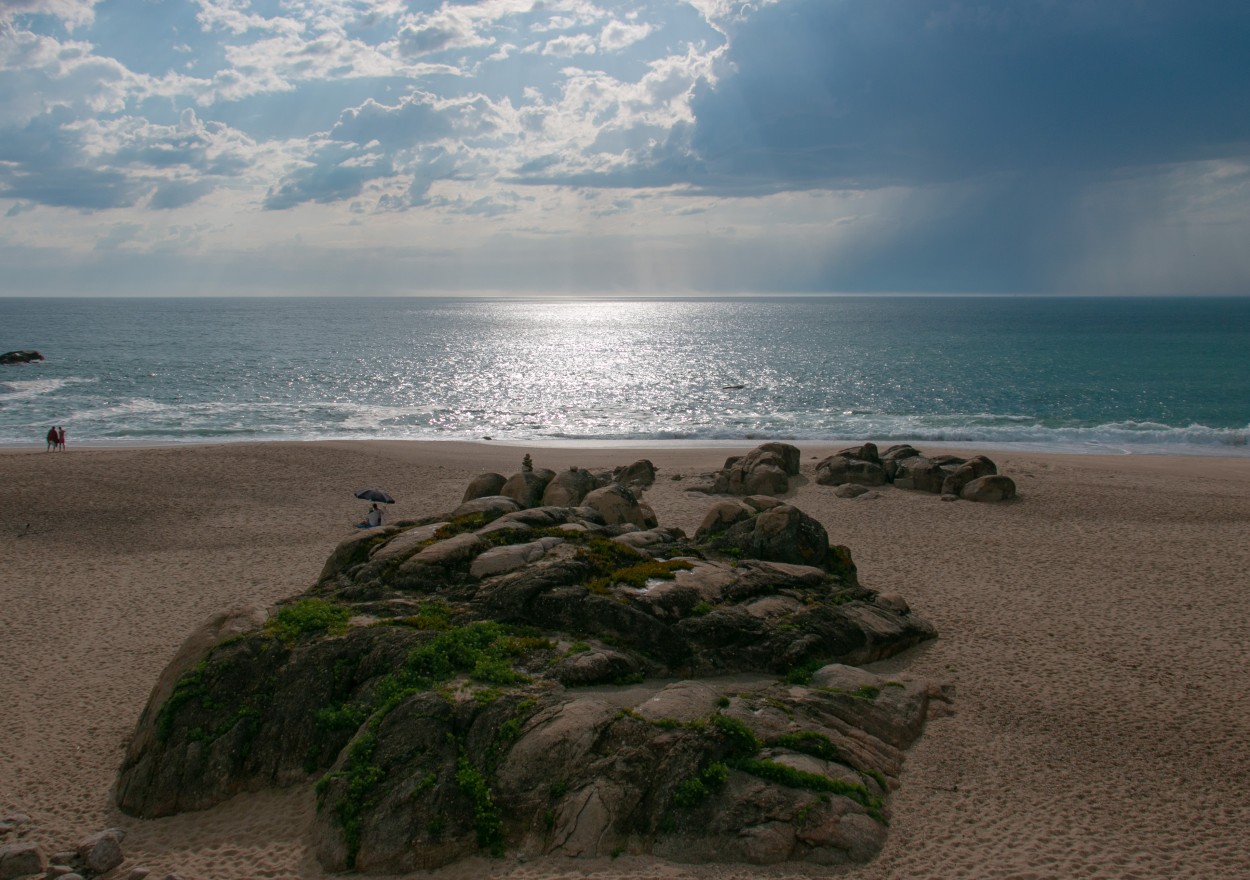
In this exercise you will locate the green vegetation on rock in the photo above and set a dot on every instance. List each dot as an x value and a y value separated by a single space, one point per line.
809 742
487 820
637 575
190 686
792 778
697 789
306 616
741 740
361 776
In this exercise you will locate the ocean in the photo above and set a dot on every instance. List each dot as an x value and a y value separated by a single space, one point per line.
1065 374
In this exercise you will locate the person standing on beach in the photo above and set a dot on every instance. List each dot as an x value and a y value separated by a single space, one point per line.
54 439
60 437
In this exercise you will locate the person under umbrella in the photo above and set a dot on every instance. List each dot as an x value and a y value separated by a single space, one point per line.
374 517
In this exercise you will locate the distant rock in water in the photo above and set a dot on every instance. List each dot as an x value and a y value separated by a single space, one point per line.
539 681
20 357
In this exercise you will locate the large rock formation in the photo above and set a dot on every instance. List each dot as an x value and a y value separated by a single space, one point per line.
765 470
542 681
907 468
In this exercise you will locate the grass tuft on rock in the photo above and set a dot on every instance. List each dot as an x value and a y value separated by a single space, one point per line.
305 617
636 576
809 742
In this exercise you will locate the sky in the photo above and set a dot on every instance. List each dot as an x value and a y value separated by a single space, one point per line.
577 147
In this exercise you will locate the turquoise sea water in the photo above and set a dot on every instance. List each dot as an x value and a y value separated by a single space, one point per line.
1148 375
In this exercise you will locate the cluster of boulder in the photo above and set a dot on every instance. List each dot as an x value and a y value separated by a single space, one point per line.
20 357
546 670
95 855
614 494
769 469
973 479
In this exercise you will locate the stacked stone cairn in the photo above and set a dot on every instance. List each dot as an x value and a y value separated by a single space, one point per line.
547 671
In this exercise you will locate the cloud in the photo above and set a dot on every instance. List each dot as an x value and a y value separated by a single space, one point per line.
212 148
570 46
618 35
98 164
83 188
820 94
419 118
172 194
333 173
39 73
785 144
72 13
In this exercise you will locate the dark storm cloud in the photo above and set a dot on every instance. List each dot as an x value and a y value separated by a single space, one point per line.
83 188
337 173
860 93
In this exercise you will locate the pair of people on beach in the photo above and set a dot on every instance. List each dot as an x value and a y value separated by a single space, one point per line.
373 520
56 438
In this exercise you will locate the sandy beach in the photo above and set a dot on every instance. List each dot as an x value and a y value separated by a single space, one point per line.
1095 631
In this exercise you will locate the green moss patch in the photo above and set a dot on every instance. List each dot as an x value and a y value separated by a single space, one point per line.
637 575
809 742
694 791
780 774
305 617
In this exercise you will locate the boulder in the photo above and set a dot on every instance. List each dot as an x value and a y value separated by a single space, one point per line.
484 485
526 487
843 467
21 859
450 706
488 506
569 488
780 534
991 488
787 454
617 504
498 560
721 516
919 473
101 852
764 470
893 455
641 473
966 472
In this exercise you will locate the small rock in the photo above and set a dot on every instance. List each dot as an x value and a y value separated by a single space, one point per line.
59 871
14 822
894 602
20 859
64 857
138 873
101 852
850 490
